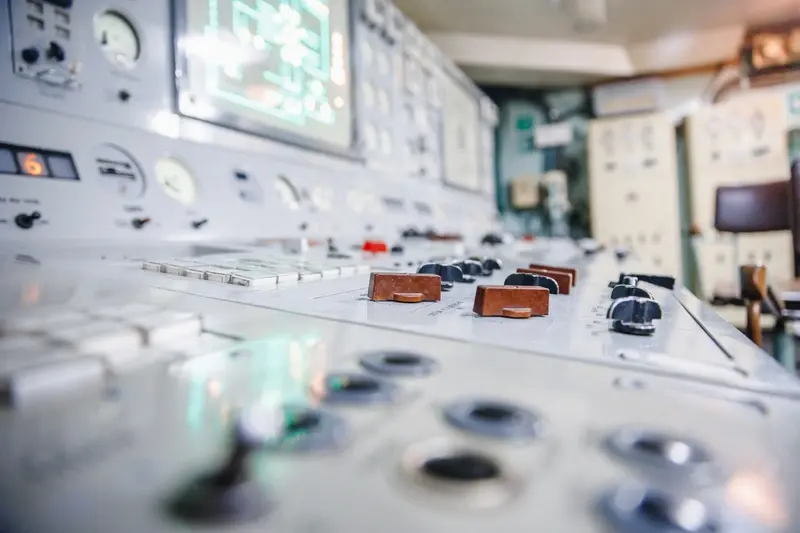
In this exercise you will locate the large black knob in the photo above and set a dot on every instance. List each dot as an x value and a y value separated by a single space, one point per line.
448 273
624 290
470 270
489 264
55 52
532 280
26 220
228 494
30 55
634 315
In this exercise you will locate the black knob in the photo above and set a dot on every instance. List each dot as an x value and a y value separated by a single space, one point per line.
412 233
30 55
492 239
397 249
139 223
470 269
55 52
622 253
522 279
624 290
448 273
634 315
197 224
25 220
228 493
489 264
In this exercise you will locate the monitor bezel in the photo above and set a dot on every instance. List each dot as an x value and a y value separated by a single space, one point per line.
238 123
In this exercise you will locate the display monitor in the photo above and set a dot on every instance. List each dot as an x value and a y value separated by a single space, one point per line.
461 129
278 68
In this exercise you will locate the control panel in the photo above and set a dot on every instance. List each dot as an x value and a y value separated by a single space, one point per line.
235 119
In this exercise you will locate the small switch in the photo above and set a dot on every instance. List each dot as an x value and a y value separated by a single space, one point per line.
567 270
470 270
25 220
489 264
139 223
405 288
623 291
375 247
532 280
197 224
634 316
511 301
563 279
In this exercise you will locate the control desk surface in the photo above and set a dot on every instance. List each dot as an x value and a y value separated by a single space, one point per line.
131 382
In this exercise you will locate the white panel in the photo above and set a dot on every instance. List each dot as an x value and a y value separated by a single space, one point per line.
740 141
634 189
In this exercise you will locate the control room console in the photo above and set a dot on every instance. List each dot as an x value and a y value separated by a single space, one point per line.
252 280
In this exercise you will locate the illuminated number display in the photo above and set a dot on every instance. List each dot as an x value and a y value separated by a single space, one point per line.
32 164
37 163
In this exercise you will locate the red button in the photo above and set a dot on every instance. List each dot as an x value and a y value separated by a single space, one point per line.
375 247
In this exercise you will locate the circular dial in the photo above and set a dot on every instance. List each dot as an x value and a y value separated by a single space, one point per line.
118 171
117 39
176 180
287 193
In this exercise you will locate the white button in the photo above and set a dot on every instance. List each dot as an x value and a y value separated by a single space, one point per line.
309 275
152 266
254 279
43 381
13 344
219 275
123 311
363 269
43 322
98 337
178 268
168 326
195 273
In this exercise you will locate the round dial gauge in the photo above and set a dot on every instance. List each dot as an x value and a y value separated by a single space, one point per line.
287 193
176 180
117 39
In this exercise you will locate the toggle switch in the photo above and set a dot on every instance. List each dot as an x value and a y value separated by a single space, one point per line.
634 316
405 288
571 271
511 301
375 247
624 291
563 279
489 264
449 274
532 280
26 220
470 270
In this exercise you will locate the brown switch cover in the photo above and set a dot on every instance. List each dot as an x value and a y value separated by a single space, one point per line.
511 302
406 288
566 270
563 279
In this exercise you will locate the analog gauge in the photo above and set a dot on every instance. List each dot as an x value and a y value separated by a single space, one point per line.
322 198
117 39
287 193
118 172
176 180
355 199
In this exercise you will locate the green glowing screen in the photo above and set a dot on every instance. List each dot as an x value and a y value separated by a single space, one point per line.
265 65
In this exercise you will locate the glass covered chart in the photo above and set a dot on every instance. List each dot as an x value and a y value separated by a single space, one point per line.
269 65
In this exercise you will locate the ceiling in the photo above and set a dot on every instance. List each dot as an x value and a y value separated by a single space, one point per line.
535 42
629 21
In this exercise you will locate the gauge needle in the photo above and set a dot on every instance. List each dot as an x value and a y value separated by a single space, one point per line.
168 184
